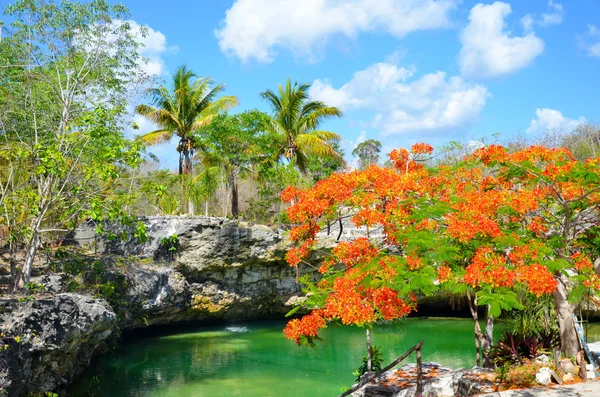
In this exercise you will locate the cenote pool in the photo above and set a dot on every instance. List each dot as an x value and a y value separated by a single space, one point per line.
255 359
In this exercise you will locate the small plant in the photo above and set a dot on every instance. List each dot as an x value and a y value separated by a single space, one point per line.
140 232
519 376
61 253
170 244
514 347
35 288
376 362
76 266
73 285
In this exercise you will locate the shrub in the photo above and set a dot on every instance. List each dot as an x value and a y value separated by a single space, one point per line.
517 376
376 362
515 347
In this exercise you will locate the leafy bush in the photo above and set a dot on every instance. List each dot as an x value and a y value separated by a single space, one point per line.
376 362
75 266
519 376
515 347
34 288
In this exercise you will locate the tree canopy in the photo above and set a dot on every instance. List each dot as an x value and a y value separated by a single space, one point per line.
492 226
296 122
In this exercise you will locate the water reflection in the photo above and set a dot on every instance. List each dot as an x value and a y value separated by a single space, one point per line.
256 360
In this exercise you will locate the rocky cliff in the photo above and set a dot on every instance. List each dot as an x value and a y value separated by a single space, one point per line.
219 269
231 270
48 340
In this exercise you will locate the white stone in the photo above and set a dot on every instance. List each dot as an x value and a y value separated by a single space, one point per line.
544 376
543 359
568 377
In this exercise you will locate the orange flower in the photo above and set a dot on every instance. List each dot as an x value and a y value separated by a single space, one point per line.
389 304
421 148
307 327
444 273
538 278
414 263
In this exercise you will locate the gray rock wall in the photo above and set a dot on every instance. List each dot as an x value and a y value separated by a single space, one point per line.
47 341
231 270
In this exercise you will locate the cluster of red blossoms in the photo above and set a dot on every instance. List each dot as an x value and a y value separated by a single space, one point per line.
496 204
305 327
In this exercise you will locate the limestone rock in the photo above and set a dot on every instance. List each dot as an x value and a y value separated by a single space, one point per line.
438 381
234 270
567 366
204 242
568 377
544 376
52 283
156 295
50 340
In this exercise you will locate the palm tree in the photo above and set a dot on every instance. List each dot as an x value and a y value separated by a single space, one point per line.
183 110
295 122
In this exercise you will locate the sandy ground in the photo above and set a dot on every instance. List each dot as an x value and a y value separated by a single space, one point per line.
591 388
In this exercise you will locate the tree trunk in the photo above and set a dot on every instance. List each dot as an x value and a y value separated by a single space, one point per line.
369 353
206 208
29 258
569 341
235 207
482 342
13 265
489 339
225 199
185 168
489 329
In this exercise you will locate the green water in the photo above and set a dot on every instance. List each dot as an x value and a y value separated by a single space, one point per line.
255 359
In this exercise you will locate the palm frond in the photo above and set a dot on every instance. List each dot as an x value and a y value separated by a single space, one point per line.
273 100
312 144
155 137
160 117
314 113
326 135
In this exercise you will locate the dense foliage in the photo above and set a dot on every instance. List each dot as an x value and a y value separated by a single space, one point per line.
494 224
67 73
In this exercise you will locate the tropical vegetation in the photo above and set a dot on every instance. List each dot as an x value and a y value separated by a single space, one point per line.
512 229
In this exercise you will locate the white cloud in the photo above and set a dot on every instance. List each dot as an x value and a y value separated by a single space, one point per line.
258 28
554 16
432 102
489 50
590 41
153 48
552 120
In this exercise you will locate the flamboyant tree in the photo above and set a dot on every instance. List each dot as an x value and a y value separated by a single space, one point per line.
495 224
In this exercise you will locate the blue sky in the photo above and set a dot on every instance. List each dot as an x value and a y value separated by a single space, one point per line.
402 70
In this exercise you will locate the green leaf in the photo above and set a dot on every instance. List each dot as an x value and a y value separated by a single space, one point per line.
577 294
292 312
